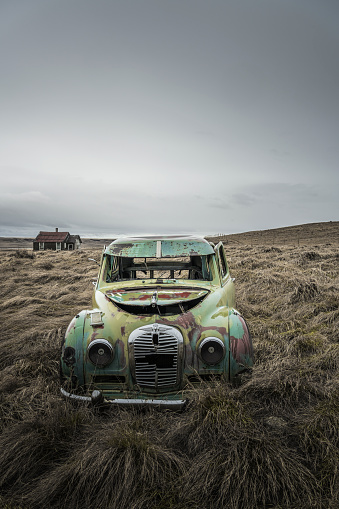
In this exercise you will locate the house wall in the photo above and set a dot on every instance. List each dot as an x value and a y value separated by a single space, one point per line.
52 245
48 245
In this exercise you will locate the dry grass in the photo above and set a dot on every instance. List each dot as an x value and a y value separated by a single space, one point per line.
111 466
270 442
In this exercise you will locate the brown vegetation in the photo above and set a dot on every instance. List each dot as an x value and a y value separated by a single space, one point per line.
299 235
272 441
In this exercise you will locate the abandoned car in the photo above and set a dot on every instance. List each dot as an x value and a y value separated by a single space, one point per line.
163 318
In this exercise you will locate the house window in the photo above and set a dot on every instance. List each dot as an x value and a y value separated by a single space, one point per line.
58 246
41 246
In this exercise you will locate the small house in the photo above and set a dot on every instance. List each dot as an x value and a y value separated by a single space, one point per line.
57 241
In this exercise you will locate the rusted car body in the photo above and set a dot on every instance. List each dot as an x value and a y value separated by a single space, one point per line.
163 317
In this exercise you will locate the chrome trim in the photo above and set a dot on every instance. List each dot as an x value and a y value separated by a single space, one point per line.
105 342
140 343
206 340
75 397
173 404
92 260
158 253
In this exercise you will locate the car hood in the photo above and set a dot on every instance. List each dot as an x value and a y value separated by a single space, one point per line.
155 296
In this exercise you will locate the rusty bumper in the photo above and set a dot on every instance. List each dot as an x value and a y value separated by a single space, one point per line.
97 398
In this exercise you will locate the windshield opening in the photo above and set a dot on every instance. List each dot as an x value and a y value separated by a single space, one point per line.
187 267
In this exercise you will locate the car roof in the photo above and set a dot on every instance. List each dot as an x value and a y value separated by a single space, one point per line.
166 246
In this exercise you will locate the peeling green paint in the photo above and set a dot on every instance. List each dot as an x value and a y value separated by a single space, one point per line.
196 308
146 247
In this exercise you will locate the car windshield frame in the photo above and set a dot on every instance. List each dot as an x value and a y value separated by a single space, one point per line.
189 268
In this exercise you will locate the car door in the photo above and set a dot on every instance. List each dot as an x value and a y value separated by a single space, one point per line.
222 264
226 281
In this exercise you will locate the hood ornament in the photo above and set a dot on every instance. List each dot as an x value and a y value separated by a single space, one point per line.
154 300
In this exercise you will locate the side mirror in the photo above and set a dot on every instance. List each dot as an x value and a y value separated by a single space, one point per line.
92 260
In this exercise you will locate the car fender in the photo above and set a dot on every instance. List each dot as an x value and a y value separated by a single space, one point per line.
241 347
74 337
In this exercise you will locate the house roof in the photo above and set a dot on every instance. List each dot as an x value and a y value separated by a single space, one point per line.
167 246
52 237
73 238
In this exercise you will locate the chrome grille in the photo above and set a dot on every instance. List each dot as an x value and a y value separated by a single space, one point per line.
155 350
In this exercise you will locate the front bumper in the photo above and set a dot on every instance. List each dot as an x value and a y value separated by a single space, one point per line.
97 398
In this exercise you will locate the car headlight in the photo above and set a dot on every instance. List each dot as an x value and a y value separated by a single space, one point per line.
211 350
100 352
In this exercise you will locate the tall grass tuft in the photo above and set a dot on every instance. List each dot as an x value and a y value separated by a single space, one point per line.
112 467
213 413
319 440
23 253
248 470
28 449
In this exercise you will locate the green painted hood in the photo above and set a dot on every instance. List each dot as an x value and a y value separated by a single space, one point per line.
155 296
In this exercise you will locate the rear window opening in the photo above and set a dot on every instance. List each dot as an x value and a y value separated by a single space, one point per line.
189 268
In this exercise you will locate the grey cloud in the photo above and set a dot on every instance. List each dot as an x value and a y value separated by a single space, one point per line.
217 205
168 116
218 202
243 199
287 191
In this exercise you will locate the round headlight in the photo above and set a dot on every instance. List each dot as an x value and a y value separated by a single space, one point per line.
100 352
211 350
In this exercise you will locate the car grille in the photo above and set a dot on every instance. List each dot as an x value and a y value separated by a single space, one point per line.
156 351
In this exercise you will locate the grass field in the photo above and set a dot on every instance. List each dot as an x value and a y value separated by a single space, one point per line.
271 442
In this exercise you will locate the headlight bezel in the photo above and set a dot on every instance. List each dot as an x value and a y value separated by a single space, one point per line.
211 358
94 354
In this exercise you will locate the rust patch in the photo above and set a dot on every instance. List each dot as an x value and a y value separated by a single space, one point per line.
241 347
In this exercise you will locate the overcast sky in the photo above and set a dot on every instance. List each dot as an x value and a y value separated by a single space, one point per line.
135 116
